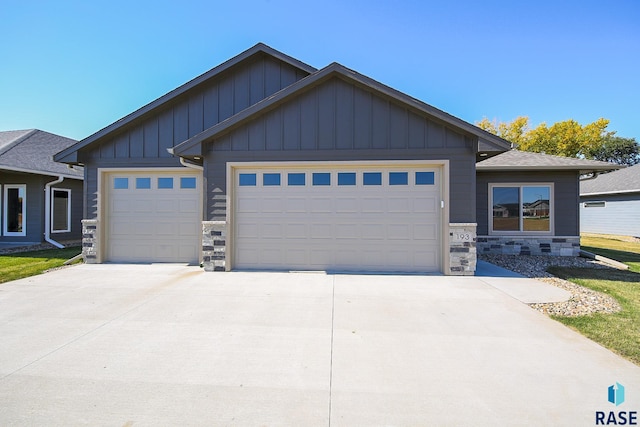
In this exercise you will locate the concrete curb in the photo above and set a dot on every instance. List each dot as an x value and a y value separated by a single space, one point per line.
605 260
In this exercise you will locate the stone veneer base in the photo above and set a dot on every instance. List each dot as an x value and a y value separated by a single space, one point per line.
90 244
462 249
214 245
529 245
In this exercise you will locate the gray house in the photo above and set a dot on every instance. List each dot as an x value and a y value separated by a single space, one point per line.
610 204
41 200
527 203
267 163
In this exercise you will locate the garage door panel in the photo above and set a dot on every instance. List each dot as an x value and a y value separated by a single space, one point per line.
352 227
151 224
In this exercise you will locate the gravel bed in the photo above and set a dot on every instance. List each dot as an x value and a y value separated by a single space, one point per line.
583 301
40 247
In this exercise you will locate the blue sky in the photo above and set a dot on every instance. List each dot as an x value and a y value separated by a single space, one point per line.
74 67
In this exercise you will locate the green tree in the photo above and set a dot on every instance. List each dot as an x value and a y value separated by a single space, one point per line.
615 149
567 138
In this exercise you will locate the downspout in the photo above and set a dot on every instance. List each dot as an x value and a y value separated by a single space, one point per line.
47 212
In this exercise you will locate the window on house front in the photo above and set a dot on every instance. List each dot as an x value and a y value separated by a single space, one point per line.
60 210
15 210
521 208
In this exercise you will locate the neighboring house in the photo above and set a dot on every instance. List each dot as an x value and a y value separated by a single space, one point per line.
41 200
267 163
610 203
527 203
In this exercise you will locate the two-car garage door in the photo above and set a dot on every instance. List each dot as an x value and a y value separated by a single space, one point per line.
337 218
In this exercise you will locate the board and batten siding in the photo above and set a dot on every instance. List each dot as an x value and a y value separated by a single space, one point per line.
565 190
620 215
144 142
339 121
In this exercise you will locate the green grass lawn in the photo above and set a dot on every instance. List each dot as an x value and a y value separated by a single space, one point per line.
25 264
620 332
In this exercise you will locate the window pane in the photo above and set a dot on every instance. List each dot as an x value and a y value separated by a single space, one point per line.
14 205
398 178
143 183
165 182
120 183
506 208
535 208
187 182
247 179
425 178
295 179
346 178
321 178
271 179
372 178
60 211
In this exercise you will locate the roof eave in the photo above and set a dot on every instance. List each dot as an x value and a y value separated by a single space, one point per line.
40 172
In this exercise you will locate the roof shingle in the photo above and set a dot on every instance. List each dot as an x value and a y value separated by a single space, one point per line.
524 160
626 180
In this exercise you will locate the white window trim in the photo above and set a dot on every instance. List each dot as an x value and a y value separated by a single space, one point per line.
5 196
519 185
68 191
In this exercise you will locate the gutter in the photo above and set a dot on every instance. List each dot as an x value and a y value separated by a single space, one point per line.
47 212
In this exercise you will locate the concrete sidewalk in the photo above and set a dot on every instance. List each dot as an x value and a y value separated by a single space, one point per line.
171 345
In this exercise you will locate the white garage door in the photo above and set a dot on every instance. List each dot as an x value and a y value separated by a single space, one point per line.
153 217
337 218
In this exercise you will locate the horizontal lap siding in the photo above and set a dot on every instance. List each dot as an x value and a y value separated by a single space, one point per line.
338 121
620 215
565 197
145 142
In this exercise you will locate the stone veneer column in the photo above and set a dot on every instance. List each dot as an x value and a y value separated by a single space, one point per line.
90 243
462 249
214 245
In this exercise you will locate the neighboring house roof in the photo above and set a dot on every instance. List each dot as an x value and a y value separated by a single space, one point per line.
625 180
32 151
487 141
514 160
258 49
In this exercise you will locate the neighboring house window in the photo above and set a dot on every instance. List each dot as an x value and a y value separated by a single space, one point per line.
594 204
521 208
15 210
60 210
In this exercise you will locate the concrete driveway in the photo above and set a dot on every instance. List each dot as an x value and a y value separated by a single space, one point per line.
133 345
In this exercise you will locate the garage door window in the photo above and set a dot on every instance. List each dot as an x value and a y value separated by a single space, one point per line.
120 183
187 182
247 179
296 179
372 178
143 183
425 178
398 178
165 183
271 179
346 178
321 178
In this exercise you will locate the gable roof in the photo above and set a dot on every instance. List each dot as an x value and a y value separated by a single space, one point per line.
258 49
191 146
625 180
514 160
32 151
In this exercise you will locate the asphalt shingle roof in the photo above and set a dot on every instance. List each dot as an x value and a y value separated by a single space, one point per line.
524 160
32 151
625 180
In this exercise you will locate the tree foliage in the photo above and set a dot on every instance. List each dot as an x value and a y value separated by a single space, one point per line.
567 138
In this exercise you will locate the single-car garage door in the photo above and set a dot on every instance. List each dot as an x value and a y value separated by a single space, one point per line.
337 218
152 216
